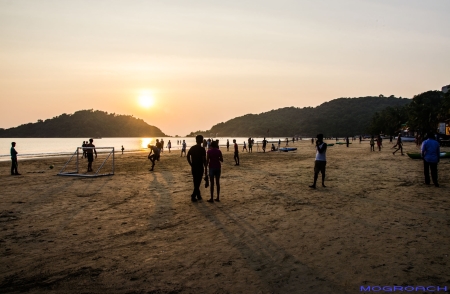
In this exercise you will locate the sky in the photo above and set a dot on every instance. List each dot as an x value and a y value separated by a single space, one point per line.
197 63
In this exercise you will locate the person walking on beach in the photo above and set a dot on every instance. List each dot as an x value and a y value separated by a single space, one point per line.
430 155
379 142
250 145
264 143
14 164
122 149
321 160
183 148
162 145
244 147
236 152
372 143
90 150
197 160
153 155
169 145
213 160
399 144
228 145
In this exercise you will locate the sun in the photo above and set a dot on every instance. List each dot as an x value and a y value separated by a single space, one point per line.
146 101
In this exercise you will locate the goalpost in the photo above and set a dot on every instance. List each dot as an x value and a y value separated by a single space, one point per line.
78 162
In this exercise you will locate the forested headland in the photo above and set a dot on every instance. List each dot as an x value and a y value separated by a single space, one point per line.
84 124
339 117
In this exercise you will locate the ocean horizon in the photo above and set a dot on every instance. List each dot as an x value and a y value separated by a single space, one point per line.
29 148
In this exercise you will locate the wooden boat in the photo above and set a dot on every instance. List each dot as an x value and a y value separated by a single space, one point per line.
419 156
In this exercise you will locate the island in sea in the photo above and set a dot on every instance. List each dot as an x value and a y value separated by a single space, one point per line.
85 123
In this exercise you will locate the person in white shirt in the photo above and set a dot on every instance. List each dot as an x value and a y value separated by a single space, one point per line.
321 160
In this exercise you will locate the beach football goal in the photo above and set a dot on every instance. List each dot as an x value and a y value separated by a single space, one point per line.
77 165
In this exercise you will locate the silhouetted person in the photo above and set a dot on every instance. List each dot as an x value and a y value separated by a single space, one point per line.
399 144
197 160
250 145
84 150
379 142
244 147
264 143
183 148
213 160
430 155
162 145
122 149
169 145
360 139
14 164
236 152
90 150
153 155
321 160
228 145
347 141
372 143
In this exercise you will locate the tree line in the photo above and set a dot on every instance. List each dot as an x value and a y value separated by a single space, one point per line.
338 117
422 114
84 124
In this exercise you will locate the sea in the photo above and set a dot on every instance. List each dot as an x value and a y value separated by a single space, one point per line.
30 148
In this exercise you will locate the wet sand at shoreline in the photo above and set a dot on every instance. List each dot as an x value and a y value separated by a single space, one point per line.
376 223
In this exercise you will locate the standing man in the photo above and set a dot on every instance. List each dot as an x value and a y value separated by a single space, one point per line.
321 160
155 156
197 160
183 149
14 165
264 142
250 145
90 150
236 152
430 156
228 145
122 149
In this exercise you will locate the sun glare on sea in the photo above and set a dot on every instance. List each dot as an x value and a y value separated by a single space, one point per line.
145 142
146 101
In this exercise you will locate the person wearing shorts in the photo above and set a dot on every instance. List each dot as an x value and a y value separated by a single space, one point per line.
90 150
153 155
213 161
321 160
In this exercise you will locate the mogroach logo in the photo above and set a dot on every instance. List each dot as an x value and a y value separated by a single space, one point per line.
403 288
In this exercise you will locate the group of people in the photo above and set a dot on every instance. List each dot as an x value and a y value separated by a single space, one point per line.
208 157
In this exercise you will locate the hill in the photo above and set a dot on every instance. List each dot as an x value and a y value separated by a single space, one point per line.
339 117
84 124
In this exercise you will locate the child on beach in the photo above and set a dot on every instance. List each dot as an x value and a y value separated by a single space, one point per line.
183 149
244 147
399 145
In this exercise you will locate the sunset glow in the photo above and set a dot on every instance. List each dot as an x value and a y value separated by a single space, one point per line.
146 101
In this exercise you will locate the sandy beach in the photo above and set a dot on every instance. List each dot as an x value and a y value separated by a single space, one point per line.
376 223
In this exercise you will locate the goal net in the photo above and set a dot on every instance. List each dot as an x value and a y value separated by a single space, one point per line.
77 165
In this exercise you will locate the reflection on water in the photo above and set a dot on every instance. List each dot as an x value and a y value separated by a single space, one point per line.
146 141
38 147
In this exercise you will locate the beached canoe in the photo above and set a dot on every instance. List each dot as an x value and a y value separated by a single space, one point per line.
287 149
419 156
343 143
330 144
